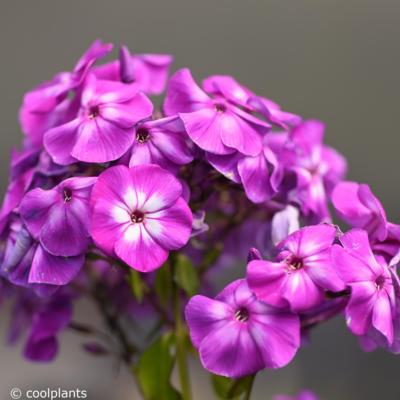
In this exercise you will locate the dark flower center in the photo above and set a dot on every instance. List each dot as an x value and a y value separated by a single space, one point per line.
242 315
219 107
67 195
379 282
137 217
295 263
142 135
94 111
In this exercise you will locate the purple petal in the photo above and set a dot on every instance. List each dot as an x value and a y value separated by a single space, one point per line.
139 250
231 351
265 279
35 209
101 141
183 94
203 315
60 141
53 270
255 177
382 318
359 309
156 188
237 133
170 227
310 240
205 127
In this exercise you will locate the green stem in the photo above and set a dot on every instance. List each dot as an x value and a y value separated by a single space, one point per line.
247 395
180 342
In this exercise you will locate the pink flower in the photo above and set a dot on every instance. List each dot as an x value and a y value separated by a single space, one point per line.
139 215
59 217
372 300
162 142
214 124
317 168
47 105
356 205
360 208
228 87
104 127
147 71
303 270
237 335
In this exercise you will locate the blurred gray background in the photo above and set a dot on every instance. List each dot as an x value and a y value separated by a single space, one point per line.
334 60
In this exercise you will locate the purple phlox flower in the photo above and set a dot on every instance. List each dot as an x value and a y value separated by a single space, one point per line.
237 335
163 142
15 193
47 323
374 339
45 106
372 300
301 273
26 263
148 71
30 167
356 204
60 217
302 395
260 174
103 129
317 168
227 87
213 123
139 215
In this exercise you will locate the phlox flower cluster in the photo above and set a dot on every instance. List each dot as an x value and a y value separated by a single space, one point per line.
109 194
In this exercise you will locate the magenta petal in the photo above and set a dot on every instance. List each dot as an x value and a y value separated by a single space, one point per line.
265 279
310 240
226 164
205 127
170 227
300 291
60 141
356 243
277 336
53 270
172 144
359 309
357 206
204 315
35 208
100 141
350 268
255 178
139 250
382 319
156 188
322 271
231 351
65 232
140 154
183 94
236 133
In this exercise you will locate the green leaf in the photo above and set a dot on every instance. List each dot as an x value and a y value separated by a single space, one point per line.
137 285
231 389
186 275
154 370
